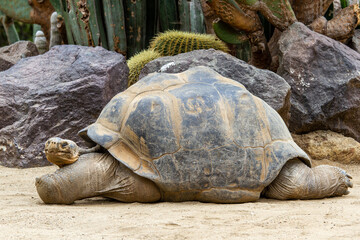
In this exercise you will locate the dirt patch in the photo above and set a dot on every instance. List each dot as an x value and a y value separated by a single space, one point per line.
24 216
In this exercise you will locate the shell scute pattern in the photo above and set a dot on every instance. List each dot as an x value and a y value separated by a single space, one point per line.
150 119
201 125
197 132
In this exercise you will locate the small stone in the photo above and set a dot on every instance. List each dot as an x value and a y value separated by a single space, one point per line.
328 145
9 55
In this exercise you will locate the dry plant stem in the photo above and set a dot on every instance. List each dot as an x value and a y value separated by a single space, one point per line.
209 16
342 26
298 181
232 14
307 11
41 13
248 21
9 28
278 12
260 53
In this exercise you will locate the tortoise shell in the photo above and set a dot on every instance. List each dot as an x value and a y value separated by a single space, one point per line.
196 132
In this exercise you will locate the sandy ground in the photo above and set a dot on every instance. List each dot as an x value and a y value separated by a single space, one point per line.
24 216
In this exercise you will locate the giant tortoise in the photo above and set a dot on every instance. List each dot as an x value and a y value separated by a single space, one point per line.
190 136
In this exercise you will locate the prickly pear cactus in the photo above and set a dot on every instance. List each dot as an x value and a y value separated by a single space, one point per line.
9 27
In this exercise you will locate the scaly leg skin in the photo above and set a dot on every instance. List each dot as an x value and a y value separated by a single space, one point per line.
95 174
341 27
297 181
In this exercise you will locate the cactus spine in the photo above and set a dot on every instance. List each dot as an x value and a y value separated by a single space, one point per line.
138 61
174 42
171 43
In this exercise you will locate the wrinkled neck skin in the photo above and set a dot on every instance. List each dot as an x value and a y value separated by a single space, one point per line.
95 174
82 179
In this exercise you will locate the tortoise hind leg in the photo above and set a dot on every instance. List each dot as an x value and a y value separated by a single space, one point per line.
298 181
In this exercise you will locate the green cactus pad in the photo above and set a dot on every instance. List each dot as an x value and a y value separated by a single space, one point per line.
137 62
175 42
228 34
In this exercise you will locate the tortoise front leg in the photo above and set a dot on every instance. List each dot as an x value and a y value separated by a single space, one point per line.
298 181
95 174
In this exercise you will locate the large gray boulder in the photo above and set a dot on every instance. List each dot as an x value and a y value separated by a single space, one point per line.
324 76
264 84
57 93
9 55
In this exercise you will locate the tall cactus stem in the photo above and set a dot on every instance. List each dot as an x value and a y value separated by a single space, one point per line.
135 26
168 15
152 17
55 36
115 25
97 28
191 16
81 17
75 28
61 8
10 30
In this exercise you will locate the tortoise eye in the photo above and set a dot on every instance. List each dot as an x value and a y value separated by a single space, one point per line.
63 145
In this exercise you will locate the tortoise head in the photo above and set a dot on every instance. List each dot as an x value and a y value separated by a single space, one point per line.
61 151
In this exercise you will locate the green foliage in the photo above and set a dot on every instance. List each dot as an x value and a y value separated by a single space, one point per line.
175 42
135 25
191 16
3 37
239 41
344 3
115 25
23 30
138 61
168 15
126 26
228 34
